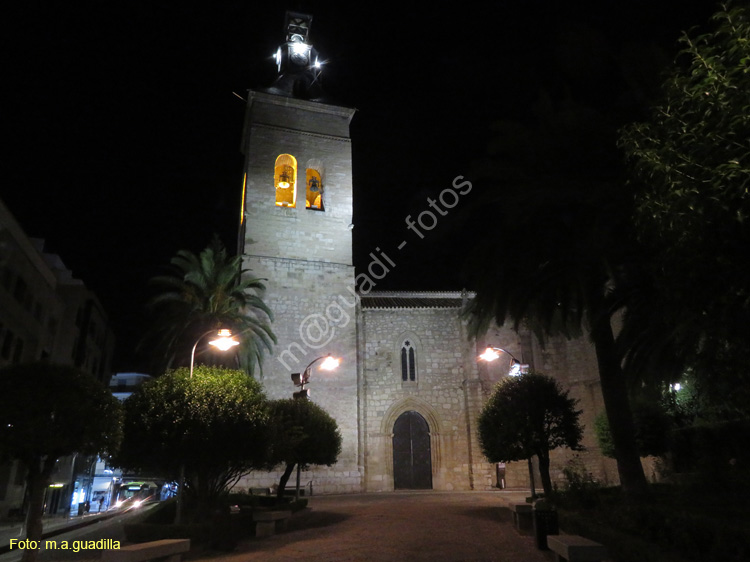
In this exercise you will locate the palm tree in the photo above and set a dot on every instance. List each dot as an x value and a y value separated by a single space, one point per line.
204 292
555 241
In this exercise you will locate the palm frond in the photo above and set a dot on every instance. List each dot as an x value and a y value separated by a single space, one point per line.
206 291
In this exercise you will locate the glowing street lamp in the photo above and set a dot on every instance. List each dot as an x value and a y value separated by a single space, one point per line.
224 341
516 367
301 379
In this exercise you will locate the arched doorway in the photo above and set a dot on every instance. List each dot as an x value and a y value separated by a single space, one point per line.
412 461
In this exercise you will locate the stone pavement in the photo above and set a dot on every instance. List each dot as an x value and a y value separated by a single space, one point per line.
51 526
393 527
92 526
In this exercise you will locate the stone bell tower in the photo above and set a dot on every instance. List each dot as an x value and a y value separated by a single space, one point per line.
296 232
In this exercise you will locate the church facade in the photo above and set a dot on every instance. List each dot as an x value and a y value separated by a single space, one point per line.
409 388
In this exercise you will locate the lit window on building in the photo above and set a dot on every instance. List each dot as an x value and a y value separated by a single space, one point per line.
285 180
314 189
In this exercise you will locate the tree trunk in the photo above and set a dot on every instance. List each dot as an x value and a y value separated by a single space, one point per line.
544 473
180 507
284 479
38 480
619 413
531 478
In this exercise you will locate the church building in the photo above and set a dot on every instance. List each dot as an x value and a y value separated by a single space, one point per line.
409 386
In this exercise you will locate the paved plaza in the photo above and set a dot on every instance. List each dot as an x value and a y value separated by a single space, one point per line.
388 527
400 526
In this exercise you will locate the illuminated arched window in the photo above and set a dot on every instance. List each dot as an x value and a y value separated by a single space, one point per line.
408 362
314 185
285 180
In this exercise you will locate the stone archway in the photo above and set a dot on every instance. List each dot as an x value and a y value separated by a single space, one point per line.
412 454
385 441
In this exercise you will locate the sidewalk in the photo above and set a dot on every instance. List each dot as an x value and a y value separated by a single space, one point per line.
385 527
51 526
394 527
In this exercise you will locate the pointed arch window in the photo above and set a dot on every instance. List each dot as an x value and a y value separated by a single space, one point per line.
314 185
285 180
408 362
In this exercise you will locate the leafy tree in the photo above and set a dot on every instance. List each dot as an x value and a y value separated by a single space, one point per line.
48 411
554 247
303 433
212 425
690 164
529 415
204 292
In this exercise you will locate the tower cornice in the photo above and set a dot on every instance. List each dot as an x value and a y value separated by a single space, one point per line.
260 125
295 103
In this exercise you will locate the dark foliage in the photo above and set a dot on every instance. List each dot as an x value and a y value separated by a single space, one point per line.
214 424
206 292
652 427
529 415
303 433
48 411
555 246
690 167
676 523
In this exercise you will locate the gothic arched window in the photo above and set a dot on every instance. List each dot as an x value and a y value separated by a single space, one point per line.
408 362
285 180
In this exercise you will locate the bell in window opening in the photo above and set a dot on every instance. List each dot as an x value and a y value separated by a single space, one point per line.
314 196
285 179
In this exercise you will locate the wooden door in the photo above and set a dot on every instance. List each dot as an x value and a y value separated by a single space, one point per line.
412 461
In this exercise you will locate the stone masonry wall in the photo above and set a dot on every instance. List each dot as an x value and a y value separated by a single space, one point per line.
441 393
298 233
305 256
315 315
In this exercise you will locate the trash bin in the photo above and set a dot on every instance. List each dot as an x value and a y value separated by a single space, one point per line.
545 523
500 473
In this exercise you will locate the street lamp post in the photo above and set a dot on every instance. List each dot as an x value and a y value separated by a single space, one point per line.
224 341
516 368
302 379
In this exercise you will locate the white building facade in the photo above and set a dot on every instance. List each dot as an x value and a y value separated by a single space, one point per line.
46 314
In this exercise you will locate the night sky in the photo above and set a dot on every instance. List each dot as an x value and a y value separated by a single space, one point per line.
121 121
